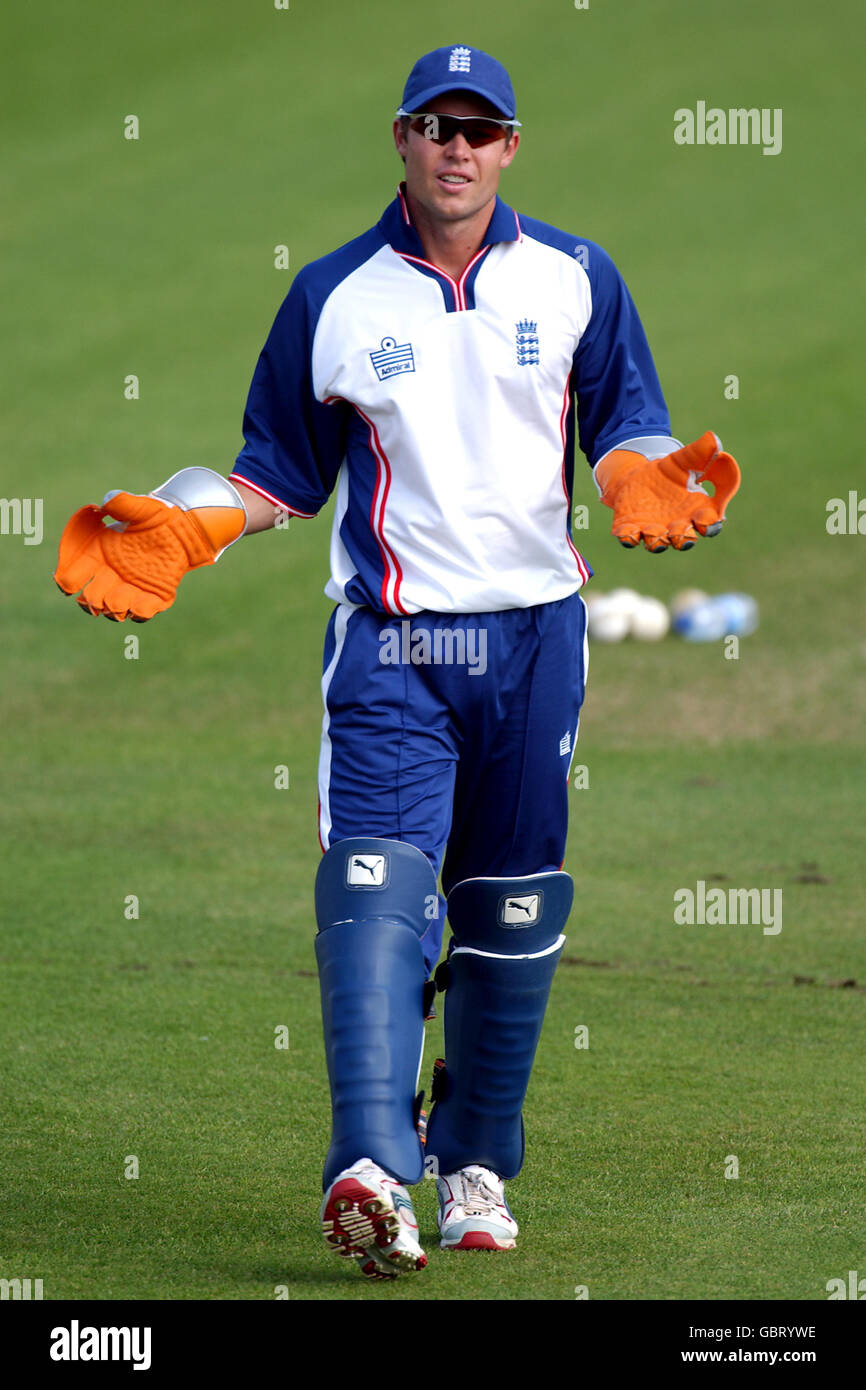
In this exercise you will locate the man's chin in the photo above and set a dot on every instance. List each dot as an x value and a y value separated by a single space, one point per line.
456 207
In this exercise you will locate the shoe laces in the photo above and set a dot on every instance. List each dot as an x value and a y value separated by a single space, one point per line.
477 1194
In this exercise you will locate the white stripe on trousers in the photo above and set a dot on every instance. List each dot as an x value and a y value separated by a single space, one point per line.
344 613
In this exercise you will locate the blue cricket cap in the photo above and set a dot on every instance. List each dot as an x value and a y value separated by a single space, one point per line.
457 68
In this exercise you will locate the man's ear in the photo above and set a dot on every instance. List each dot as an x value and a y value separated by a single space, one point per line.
510 151
400 139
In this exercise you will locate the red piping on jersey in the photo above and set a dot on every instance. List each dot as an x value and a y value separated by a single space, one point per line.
581 563
461 283
283 506
458 287
393 572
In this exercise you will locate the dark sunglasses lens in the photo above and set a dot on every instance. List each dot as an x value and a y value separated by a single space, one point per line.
442 129
484 132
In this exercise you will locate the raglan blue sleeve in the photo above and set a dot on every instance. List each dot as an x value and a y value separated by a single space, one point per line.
294 444
618 392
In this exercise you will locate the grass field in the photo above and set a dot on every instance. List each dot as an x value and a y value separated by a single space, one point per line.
153 1036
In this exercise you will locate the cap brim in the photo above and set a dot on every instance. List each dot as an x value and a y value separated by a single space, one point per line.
430 92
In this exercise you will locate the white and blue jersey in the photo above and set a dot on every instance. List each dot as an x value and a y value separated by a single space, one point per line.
441 411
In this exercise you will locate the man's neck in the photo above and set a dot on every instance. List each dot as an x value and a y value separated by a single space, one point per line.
450 245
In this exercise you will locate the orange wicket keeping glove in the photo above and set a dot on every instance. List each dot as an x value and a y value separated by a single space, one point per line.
131 568
660 501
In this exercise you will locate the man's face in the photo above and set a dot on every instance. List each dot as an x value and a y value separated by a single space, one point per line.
452 182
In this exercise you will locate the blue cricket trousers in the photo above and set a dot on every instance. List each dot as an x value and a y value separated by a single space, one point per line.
454 732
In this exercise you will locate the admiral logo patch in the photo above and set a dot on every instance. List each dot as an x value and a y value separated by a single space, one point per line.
392 358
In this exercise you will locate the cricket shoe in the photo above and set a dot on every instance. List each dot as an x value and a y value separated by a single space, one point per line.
473 1212
366 1214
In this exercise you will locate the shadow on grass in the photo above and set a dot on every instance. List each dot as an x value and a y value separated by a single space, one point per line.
295 1274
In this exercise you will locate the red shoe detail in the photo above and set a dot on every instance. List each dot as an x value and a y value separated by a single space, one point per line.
479 1240
356 1218
371 1270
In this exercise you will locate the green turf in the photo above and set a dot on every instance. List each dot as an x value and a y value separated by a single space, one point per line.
154 1037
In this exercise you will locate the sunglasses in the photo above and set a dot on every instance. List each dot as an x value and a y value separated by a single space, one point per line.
441 129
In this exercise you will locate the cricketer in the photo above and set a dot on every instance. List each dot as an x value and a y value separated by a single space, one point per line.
433 374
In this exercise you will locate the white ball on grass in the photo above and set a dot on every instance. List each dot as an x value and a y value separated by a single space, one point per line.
625 596
609 619
626 600
650 620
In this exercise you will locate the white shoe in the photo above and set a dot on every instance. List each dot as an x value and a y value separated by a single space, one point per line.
368 1215
473 1212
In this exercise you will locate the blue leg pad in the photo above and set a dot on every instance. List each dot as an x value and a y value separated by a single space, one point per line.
507 943
373 898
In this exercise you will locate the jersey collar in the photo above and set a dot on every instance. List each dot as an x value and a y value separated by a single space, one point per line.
399 231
